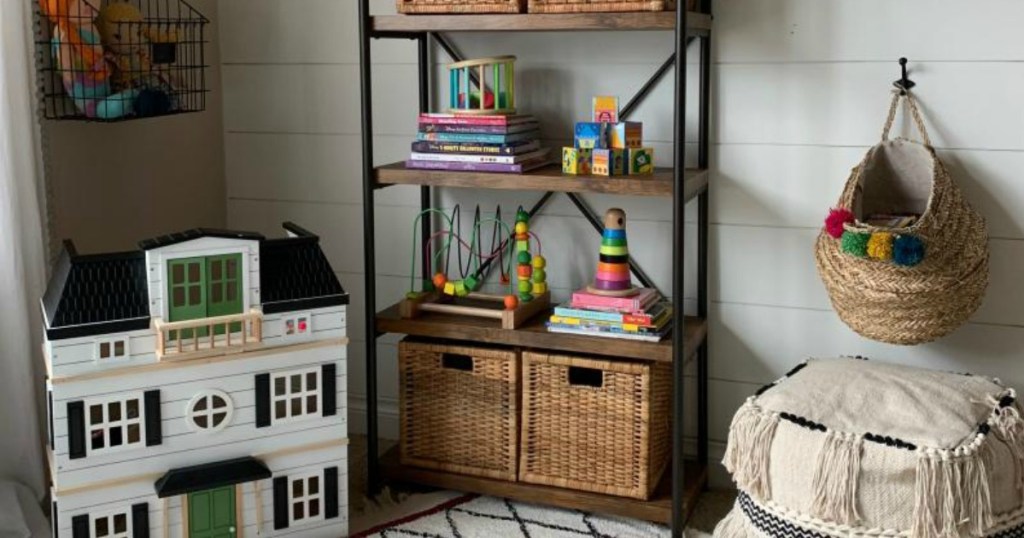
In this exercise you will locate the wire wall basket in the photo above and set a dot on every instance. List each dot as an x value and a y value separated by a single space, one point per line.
116 60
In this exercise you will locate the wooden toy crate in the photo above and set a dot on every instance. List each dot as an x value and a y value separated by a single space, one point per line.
589 6
459 408
595 425
461 6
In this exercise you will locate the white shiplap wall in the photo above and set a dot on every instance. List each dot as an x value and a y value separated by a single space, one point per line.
800 89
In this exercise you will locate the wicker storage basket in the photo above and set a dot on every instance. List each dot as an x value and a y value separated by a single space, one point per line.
595 425
591 6
461 6
851 448
459 408
912 284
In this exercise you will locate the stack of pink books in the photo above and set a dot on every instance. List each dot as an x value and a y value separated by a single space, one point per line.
484 143
645 316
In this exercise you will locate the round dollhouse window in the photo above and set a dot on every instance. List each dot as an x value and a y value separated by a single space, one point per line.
210 411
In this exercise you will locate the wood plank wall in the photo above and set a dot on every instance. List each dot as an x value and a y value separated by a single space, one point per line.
800 89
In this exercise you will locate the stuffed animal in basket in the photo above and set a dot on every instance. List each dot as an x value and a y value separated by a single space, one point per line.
125 38
78 57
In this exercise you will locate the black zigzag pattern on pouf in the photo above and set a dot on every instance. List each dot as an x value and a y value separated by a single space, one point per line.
775 526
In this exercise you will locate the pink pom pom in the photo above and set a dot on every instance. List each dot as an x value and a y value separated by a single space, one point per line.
835 221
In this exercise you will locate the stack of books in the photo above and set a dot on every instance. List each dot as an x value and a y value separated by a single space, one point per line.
645 316
478 143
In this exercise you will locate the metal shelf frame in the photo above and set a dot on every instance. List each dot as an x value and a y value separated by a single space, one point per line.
683 37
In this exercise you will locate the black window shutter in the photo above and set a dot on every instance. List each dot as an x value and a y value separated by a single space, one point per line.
331 492
280 502
262 400
154 423
80 526
76 431
140 520
49 415
54 527
329 390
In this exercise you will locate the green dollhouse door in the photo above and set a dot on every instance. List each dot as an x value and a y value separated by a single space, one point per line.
211 513
224 288
186 287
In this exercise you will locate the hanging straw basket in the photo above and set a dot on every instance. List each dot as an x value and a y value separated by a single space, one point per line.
913 283
460 6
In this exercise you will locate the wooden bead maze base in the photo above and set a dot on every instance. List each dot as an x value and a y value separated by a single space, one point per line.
475 305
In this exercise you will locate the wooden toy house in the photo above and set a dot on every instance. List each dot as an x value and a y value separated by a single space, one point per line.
197 388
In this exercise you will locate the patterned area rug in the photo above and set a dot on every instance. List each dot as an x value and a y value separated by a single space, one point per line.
470 516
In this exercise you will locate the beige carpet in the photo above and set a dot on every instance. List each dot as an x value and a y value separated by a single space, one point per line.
396 503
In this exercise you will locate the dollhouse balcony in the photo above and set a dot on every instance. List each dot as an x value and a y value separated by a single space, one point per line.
207 337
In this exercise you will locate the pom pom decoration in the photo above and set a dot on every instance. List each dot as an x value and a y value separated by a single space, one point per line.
880 246
907 250
856 243
836 220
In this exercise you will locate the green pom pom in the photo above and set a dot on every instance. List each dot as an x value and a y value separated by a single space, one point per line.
855 243
524 257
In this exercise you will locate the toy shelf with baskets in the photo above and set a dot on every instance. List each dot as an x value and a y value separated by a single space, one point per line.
675 494
117 60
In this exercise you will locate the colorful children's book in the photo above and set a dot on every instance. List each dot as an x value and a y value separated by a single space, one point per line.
476 148
478 167
567 329
651 318
479 129
463 119
628 328
500 159
485 138
627 305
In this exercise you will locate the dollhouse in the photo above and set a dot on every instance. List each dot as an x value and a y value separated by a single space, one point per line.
197 388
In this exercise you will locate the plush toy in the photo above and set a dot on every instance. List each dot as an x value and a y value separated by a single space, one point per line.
78 55
127 45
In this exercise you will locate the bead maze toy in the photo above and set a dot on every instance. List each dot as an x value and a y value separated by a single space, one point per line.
527 292
500 99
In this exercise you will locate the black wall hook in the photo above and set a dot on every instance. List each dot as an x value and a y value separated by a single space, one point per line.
904 83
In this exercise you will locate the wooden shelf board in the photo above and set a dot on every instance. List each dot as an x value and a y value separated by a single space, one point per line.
658 509
535 335
539 22
547 178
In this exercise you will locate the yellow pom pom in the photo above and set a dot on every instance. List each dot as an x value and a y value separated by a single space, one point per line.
880 246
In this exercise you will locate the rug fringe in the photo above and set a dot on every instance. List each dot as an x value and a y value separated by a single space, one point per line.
835 478
748 452
953 492
733 526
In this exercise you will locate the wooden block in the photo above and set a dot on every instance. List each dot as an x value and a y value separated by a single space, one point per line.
591 135
626 134
576 161
608 162
409 308
605 109
641 161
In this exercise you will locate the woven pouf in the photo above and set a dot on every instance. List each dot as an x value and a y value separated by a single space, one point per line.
850 447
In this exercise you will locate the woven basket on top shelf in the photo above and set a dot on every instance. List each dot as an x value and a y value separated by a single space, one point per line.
595 425
461 6
459 408
591 6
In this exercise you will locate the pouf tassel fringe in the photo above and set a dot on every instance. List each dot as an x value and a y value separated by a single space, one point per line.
835 478
953 491
733 526
1009 426
749 449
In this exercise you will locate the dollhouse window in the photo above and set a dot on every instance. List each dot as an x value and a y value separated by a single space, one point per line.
114 525
298 325
306 498
210 411
295 395
112 348
115 424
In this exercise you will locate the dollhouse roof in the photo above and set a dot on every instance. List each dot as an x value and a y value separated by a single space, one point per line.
109 293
